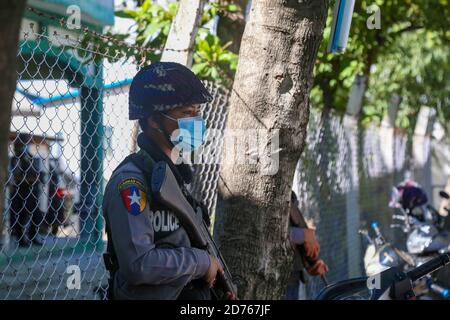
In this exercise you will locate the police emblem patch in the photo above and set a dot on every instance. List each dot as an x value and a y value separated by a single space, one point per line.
134 197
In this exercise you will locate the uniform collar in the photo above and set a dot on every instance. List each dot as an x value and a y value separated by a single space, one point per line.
182 172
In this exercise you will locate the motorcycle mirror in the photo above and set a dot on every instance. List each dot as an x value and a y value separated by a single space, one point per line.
444 194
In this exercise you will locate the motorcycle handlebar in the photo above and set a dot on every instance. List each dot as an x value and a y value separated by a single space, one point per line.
438 289
429 267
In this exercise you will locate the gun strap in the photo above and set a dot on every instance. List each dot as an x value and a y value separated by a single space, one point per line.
110 260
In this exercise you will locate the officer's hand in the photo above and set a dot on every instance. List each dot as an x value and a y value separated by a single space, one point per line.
318 269
311 244
230 296
214 268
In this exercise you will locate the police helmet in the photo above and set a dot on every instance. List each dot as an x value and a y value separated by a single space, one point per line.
164 86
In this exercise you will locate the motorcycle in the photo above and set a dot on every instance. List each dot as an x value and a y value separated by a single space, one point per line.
421 222
391 284
423 225
381 254
393 274
426 238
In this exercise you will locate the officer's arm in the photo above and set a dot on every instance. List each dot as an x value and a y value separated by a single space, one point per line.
296 235
133 237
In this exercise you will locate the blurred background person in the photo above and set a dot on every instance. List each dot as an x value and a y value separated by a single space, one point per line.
25 216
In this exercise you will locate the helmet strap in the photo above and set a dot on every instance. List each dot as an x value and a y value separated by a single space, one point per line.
163 130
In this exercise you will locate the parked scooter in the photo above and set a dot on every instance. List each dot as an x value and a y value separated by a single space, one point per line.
391 284
381 254
393 274
422 223
424 228
425 240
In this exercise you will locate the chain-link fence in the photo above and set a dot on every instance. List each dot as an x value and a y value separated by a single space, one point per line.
344 180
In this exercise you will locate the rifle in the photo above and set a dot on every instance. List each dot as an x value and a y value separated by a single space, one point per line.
166 189
307 261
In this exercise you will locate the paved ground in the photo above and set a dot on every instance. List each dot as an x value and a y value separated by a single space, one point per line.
41 272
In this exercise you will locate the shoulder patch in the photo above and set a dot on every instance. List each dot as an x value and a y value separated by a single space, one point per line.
134 197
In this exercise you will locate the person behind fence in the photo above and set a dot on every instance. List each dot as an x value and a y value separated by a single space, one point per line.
55 216
149 252
300 234
25 216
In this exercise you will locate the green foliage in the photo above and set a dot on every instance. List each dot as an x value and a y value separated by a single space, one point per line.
152 24
417 70
212 60
214 8
407 56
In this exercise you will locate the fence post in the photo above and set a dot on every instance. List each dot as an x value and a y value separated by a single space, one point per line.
183 32
352 195
356 96
422 149
91 190
390 152
387 134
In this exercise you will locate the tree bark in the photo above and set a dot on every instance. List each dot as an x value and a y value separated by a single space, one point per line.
10 17
270 93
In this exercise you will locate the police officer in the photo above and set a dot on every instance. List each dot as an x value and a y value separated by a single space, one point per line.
149 252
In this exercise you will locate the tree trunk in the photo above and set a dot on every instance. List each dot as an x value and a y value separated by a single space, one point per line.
270 93
231 25
10 17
